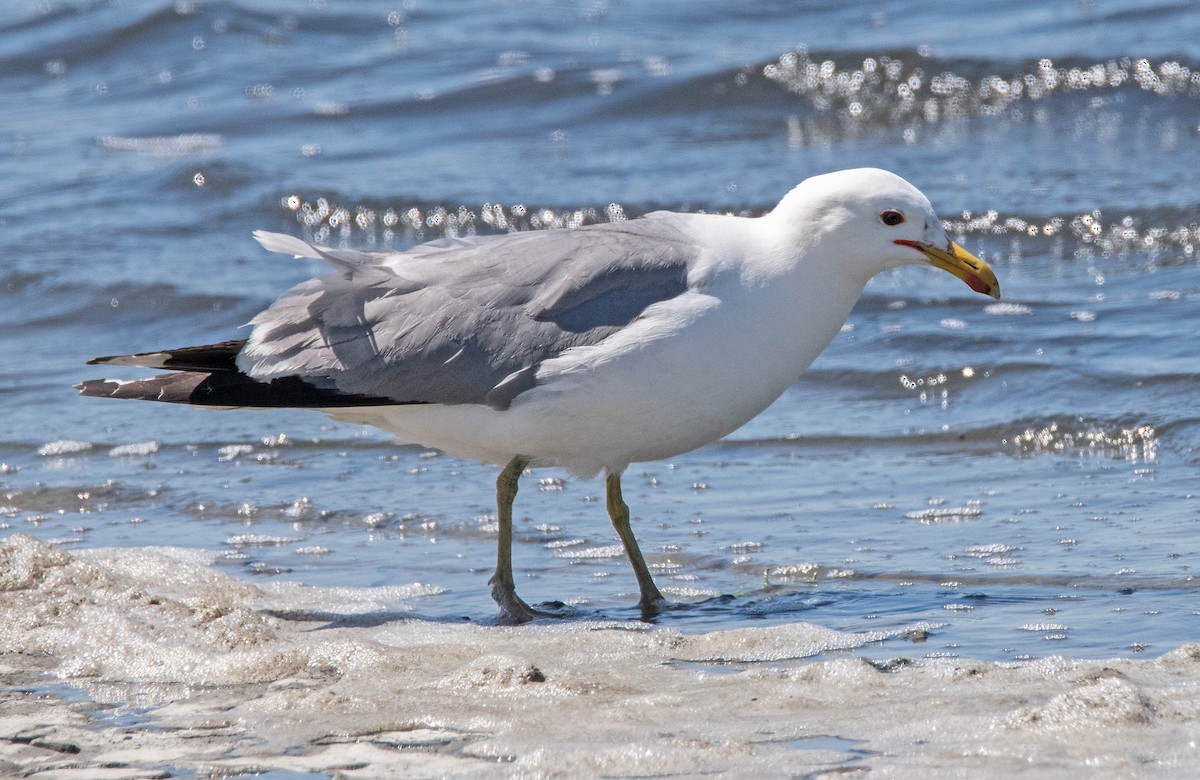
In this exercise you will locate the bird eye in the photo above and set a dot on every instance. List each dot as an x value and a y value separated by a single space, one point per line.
891 218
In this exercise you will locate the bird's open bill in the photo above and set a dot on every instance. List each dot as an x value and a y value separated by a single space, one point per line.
958 261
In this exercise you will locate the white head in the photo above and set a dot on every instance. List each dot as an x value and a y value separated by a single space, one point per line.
868 220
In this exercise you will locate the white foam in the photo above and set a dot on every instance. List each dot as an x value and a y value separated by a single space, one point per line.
235 678
231 451
64 447
141 449
162 146
1007 309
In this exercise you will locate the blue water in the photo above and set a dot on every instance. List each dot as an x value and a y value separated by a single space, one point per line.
1020 475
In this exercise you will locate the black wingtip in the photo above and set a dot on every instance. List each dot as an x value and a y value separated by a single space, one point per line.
227 389
124 360
99 388
206 358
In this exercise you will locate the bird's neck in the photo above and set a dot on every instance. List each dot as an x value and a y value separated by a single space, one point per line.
807 291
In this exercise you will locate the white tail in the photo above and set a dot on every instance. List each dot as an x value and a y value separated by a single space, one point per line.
287 245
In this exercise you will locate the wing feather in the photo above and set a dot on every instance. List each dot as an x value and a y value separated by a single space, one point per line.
464 320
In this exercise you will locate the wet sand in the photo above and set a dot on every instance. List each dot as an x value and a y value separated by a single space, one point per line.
149 663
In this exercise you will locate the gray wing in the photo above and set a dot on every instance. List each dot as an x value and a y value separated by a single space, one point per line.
464 320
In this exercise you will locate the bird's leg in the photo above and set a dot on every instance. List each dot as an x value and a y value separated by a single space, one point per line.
504 590
651 601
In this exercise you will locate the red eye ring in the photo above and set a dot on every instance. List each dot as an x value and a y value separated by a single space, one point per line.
891 218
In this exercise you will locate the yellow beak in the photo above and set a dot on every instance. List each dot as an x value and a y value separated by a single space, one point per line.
958 261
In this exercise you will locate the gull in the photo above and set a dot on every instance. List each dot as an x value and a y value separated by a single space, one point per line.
584 349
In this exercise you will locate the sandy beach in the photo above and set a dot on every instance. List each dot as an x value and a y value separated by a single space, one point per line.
148 663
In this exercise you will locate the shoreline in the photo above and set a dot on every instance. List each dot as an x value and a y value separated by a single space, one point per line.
140 663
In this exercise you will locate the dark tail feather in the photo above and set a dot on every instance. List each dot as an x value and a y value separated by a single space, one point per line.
207 358
226 389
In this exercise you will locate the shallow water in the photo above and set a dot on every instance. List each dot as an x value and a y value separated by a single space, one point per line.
1019 475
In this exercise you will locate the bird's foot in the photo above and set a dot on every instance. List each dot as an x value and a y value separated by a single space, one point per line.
653 607
513 609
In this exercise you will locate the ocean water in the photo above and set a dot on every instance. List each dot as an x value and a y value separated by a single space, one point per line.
1016 477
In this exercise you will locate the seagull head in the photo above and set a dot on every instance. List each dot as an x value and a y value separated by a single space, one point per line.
874 220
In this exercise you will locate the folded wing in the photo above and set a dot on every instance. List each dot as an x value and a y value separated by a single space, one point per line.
467 320
450 322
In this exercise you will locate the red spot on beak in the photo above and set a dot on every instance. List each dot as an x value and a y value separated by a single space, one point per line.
977 284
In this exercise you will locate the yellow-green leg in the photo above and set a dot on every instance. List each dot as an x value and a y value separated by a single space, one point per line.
651 600
504 590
